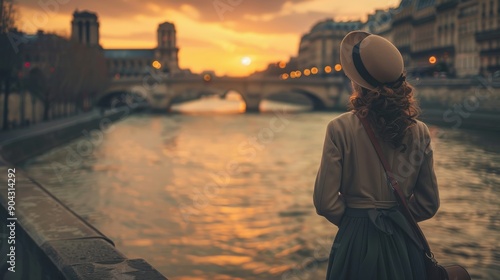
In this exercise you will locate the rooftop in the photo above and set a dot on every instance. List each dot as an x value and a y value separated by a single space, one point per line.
330 24
129 53
84 14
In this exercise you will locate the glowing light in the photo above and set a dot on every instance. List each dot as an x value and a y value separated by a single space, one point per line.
338 67
432 59
292 74
207 77
298 74
328 69
27 64
284 76
156 64
314 70
307 72
282 64
246 61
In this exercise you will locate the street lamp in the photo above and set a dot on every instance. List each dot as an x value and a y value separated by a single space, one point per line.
432 60
156 64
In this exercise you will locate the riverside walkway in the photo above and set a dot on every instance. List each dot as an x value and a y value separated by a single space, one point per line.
40 127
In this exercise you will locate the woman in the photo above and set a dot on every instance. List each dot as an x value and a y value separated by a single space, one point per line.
374 240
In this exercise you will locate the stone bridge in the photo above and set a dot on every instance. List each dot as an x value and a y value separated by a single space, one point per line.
161 93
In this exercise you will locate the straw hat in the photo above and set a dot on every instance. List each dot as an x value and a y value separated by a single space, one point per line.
370 60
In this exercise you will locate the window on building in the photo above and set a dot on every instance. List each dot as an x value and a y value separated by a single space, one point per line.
87 32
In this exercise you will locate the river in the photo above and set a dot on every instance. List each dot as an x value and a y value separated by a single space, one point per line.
230 196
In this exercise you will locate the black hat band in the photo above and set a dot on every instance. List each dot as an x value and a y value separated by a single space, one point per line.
363 72
360 67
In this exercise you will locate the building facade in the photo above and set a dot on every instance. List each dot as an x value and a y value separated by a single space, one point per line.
444 38
320 47
124 63
488 37
423 41
468 20
380 22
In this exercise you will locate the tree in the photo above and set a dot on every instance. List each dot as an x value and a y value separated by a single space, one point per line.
9 57
36 82
72 72
93 75
7 15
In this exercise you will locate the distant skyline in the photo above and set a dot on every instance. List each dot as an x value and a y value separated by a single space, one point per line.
212 35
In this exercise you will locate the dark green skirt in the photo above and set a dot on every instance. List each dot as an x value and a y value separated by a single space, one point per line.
375 244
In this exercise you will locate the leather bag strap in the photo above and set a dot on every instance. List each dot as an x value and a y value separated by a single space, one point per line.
394 185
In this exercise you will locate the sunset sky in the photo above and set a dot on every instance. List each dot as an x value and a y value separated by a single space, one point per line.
211 34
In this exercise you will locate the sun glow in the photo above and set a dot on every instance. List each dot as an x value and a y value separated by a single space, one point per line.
246 61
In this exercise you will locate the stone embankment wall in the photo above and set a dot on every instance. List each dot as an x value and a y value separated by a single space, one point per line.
19 149
467 103
456 103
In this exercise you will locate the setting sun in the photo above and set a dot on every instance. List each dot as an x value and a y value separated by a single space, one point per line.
246 61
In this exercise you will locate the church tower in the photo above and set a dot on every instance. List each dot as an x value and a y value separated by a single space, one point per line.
85 28
167 49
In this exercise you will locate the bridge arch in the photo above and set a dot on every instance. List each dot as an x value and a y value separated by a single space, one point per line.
323 93
192 93
124 97
317 102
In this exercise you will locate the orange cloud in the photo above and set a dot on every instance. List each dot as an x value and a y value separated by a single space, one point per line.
266 31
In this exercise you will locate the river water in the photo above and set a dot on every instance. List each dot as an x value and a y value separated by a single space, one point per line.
230 196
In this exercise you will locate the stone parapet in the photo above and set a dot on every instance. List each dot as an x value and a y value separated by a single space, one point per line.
53 242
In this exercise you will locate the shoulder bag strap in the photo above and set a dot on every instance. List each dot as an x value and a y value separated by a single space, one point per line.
394 185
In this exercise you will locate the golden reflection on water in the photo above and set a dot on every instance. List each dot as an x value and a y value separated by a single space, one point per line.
160 188
211 105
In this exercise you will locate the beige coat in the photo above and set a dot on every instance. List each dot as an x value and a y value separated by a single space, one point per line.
351 175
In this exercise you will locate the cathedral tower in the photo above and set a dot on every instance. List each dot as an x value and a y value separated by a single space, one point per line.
85 28
167 47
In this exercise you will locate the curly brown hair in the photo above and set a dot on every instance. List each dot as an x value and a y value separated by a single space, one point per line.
391 110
